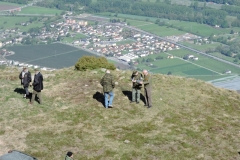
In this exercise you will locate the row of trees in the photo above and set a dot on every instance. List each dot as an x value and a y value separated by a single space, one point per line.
69 5
169 11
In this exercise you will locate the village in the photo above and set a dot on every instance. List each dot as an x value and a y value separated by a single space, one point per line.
107 39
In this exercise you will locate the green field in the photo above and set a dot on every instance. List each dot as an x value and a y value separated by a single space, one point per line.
76 37
40 10
219 55
7 22
207 62
193 27
203 47
205 68
161 30
10 4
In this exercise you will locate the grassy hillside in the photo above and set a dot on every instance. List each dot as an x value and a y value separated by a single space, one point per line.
190 119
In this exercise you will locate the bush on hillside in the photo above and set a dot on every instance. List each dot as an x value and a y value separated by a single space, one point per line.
91 62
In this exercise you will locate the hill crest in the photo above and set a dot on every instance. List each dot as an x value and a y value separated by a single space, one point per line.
190 119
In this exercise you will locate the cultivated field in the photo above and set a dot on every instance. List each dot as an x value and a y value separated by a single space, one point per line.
40 10
53 56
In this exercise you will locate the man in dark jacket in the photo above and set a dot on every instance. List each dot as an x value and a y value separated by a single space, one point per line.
37 86
25 77
136 79
108 84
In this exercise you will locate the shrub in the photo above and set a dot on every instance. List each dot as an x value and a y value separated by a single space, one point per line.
91 62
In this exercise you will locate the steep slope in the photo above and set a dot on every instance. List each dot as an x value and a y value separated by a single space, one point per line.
190 119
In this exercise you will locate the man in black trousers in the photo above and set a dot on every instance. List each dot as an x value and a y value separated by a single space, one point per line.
37 86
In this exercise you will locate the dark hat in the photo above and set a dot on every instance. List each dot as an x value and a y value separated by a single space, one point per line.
69 154
135 72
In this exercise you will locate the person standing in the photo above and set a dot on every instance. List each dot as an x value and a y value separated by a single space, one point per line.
108 84
136 86
147 81
37 86
69 156
25 77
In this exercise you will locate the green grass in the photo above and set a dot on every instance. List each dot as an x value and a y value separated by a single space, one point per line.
161 30
203 47
219 55
73 118
207 62
10 4
40 10
10 22
76 37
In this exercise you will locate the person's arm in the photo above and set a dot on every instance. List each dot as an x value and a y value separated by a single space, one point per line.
148 80
20 75
113 82
36 80
29 77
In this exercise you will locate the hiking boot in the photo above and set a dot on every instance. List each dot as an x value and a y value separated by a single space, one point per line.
145 105
24 96
149 106
110 106
137 102
132 101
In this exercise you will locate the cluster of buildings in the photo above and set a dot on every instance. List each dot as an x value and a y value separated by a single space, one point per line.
109 40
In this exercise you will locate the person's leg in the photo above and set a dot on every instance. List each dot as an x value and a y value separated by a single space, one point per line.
24 95
111 98
149 96
26 90
138 95
33 96
39 97
106 99
146 98
133 94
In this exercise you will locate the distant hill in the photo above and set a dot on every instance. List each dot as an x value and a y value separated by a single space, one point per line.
190 119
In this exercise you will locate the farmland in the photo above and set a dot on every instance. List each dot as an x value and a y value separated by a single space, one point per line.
39 10
160 30
204 69
53 56
207 62
193 27
10 22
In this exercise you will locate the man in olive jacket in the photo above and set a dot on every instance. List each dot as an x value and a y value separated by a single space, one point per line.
108 84
25 77
147 81
37 86
136 78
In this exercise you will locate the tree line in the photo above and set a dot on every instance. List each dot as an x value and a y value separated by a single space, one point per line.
162 10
